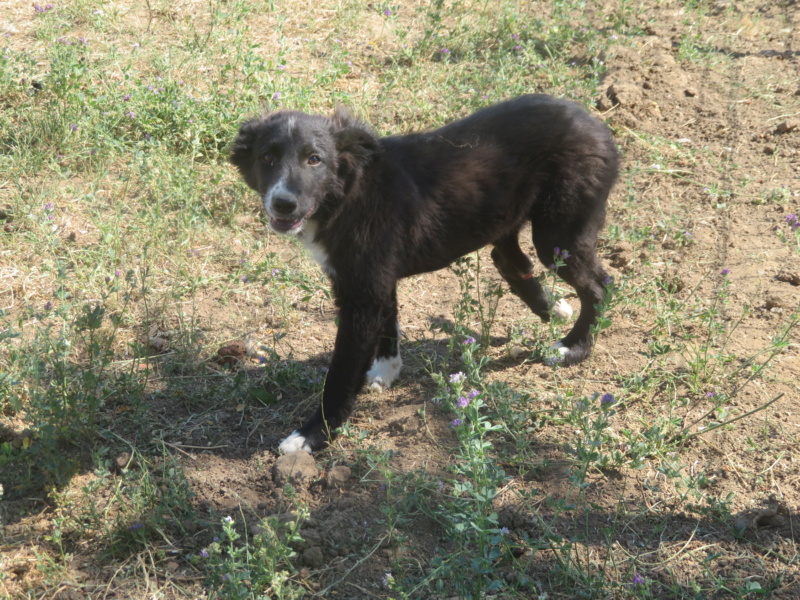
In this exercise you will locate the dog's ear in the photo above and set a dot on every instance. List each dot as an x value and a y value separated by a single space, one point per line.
242 150
356 144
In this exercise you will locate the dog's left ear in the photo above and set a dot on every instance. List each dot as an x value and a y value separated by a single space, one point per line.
352 136
242 150
356 144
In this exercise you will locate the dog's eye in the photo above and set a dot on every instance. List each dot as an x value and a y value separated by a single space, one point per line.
268 158
314 160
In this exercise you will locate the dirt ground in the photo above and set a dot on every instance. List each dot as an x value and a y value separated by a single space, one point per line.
732 124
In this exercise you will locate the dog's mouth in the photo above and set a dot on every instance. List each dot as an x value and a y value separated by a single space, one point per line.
289 225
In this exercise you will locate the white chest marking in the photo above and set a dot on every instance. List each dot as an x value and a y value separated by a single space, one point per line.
317 251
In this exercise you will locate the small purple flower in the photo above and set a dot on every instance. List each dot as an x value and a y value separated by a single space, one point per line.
126 97
793 221
276 272
469 340
440 485
244 278
504 531
135 526
710 394
276 96
565 254
608 280
514 36
517 48
48 305
606 399
73 127
444 51
462 402
552 267
117 273
131 115
262 360
556 251
387 12
456 423
457 377
203 553
49 206
637 580
724 272
473 394
281 67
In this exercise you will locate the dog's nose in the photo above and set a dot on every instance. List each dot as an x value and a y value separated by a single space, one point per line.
284 204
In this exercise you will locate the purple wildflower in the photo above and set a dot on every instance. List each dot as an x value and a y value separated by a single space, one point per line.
469 340
48 305
514 36
73 127
608 280
126 97
473 393
203 553
606 399
456 423
387 12
131 114
637 580
725 272
462 402
793 221
135 526
517 48
281 67
504 531
244 278
276 96
444 51
117 273
457 377
49 206
710 394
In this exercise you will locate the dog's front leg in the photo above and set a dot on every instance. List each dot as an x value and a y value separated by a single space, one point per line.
359 328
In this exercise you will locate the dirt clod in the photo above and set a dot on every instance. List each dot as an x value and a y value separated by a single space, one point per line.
337 476
788 276
313 557
296 468
232 354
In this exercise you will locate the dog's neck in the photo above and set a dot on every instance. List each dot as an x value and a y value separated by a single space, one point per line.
309 238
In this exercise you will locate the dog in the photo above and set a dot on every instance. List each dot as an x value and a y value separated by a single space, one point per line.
372 210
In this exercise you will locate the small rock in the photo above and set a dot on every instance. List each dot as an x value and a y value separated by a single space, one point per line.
792 277
787 126
337 476
123 461
172 566
625 93
516 351
774 302
313 557
295 468
158 344
232 354
690 92
769 150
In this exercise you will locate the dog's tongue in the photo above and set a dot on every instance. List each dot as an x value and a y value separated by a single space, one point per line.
284 225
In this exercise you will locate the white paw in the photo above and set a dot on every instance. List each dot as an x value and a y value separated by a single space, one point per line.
562 310
383 373
559 348
294 443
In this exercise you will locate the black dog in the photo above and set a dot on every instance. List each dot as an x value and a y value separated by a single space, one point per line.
373 210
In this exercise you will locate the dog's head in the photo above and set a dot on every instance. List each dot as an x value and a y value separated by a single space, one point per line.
296 161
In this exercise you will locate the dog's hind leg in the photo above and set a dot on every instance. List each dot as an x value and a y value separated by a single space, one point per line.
517 269
387 362
576 249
